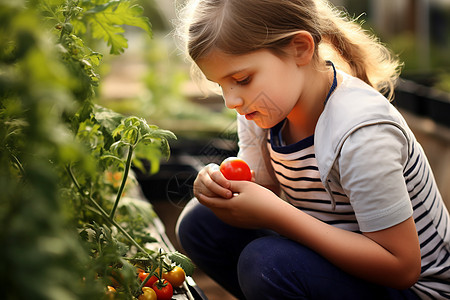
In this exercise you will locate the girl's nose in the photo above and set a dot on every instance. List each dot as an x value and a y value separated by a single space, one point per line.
232 100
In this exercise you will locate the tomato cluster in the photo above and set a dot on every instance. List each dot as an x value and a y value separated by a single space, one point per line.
161 289
234 168
158 285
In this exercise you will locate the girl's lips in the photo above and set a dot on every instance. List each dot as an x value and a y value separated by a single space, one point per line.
250 116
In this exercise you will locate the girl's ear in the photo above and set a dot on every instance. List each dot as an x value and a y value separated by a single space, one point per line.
302 46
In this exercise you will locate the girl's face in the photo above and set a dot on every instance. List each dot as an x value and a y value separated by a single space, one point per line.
260 85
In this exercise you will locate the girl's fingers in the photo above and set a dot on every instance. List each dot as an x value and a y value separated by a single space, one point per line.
210 182
218 178
238 186
213 171
211 202
211 188
218 201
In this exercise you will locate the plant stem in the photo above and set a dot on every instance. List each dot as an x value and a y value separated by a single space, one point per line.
103 213
18 164
124 181
150 274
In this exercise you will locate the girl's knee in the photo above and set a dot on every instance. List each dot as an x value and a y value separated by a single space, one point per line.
271 266
258 268
255 255
272 251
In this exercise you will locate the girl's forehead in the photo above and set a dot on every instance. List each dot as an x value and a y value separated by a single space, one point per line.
217 55
217 65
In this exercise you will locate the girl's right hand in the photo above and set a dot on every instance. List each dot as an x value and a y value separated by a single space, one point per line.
210 182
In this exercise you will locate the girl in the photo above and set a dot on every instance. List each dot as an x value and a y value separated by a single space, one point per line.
343 204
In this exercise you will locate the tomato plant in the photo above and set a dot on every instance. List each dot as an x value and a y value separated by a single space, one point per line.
163 289
234 168
59 212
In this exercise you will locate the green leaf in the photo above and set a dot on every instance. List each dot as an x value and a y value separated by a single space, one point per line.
137 163
106 21
111 160
118 148
165 148
107 118
183 261
95 58
161 133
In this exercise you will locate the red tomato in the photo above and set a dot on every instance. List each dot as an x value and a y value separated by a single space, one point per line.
151 281
163 289
175 276
234 168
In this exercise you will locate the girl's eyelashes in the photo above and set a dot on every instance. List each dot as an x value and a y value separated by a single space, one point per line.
244 81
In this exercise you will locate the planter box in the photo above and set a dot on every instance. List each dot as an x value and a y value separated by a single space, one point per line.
189 290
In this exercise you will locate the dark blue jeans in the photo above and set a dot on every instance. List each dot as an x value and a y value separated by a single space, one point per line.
259 264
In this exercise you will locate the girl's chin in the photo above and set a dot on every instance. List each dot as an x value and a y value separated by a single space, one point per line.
264 124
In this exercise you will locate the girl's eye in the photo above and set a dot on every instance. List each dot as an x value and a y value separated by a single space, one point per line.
244 81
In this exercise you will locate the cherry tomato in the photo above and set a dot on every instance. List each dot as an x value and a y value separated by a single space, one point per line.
115 277
147 294
175 277
151 281
234 168
163 289
110 292
111 289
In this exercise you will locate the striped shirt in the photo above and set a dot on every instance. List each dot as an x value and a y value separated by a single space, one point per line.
295 167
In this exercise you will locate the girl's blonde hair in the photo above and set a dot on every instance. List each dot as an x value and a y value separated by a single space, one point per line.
241 26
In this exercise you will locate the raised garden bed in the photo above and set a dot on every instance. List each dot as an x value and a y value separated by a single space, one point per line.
189 290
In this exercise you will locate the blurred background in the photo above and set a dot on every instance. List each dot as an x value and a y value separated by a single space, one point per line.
151 80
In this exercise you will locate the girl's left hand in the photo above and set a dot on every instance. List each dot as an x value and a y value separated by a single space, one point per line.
252 205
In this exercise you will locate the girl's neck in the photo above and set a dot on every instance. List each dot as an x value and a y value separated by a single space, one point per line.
301 122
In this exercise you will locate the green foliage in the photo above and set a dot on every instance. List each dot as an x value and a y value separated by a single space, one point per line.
135 217
35 91
105 20
107 258
58 150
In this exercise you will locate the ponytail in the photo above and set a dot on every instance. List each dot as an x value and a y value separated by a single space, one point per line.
357 51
